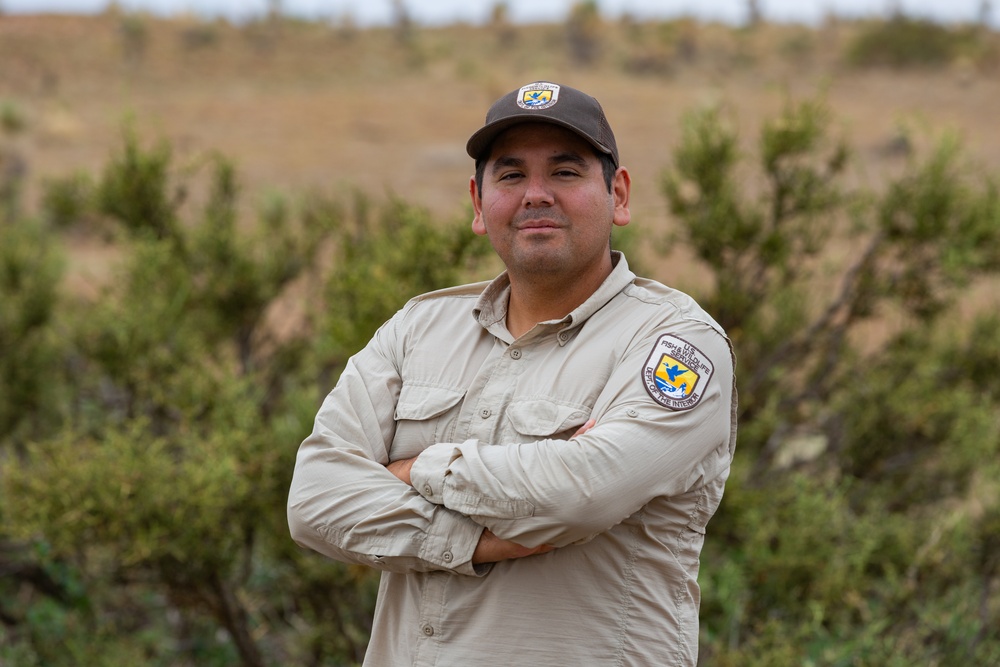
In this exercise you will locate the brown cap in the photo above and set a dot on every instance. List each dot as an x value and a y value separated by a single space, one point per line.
545 102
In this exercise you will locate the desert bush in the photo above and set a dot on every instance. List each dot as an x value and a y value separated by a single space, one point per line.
67 201
134 188
856 554
199 37
918 426
760 252
372 279
31 269
12 118
147 434
583 33
907 42
13 165
134 33
157 496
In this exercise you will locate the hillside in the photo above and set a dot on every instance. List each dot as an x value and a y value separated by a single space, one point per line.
163 352
301 106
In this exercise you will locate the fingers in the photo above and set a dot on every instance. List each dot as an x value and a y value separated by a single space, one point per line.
586 427
492 549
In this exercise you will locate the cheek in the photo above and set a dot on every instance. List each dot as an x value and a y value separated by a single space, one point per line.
497 210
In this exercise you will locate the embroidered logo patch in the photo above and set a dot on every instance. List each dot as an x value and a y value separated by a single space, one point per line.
676 373
536 96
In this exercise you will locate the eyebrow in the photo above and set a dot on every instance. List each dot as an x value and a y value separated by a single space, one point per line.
505 161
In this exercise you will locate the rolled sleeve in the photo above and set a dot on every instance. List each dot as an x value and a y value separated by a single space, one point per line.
429 470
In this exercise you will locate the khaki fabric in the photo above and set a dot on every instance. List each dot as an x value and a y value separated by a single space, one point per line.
491 419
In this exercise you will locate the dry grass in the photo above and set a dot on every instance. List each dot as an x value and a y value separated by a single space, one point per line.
311 106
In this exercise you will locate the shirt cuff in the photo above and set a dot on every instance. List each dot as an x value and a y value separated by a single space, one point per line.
429 469
450 543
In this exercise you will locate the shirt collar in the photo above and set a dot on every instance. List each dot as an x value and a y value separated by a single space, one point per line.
491 308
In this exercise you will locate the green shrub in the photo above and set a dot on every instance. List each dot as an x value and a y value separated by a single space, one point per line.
907 42
68 201
917 424
384 259
147 435
867 551
181 396
31 385
12 118
134 189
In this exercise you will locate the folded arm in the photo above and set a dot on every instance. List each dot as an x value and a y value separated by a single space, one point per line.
346 505
561 492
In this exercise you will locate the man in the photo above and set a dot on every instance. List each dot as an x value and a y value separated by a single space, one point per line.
530 462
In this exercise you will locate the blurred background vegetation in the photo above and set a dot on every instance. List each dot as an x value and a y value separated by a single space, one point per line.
169 325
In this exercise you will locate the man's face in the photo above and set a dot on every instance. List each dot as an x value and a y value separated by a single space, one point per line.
545 205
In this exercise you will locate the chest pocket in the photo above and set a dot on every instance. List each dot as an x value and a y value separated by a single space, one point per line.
536 418
424 415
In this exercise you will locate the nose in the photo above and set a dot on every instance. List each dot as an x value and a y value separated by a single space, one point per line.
537 192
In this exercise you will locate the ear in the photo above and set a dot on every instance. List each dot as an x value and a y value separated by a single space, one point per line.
478 226
621 188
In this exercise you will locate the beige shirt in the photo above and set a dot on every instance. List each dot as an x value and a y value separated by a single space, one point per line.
491 418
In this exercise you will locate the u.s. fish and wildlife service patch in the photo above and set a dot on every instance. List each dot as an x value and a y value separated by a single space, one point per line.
676 373
536 96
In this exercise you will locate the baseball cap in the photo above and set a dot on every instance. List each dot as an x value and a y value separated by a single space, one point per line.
546 102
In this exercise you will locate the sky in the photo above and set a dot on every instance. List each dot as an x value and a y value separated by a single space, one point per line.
437 12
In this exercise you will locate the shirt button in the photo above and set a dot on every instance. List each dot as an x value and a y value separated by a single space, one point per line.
446 556
485 413
632 412
427 630
515 354
428 491
563 337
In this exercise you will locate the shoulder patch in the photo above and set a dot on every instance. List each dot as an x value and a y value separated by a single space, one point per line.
676 373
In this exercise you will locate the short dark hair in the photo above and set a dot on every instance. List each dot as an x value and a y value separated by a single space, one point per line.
608 169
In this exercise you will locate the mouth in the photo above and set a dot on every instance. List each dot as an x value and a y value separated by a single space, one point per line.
537 225
538 230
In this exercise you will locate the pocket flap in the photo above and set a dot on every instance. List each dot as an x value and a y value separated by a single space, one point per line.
425 402
540 417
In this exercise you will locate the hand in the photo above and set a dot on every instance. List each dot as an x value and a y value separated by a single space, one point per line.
492 549
589 424
401 469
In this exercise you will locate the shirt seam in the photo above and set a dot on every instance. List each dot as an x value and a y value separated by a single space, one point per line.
625 605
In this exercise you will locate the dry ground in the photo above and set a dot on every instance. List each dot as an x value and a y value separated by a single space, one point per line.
311 106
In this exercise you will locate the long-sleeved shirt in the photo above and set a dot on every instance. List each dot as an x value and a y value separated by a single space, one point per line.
492 418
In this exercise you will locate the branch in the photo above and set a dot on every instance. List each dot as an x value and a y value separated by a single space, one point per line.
793 350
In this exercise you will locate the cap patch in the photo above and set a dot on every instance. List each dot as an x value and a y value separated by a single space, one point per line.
535 96
676 373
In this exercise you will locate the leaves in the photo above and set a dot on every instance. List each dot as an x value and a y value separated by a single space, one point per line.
811 564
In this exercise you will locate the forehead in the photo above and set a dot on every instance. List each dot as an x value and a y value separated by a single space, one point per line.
540 136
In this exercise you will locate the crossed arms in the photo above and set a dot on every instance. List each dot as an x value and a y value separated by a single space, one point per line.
457 505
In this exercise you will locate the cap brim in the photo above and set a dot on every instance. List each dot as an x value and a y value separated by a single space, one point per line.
483 138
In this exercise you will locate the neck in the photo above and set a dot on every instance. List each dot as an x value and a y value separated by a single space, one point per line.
535 298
